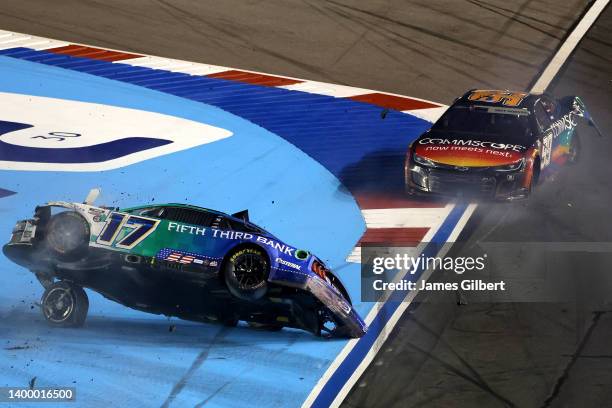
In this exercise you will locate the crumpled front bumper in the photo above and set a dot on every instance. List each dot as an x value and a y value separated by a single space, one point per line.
351 323
474 184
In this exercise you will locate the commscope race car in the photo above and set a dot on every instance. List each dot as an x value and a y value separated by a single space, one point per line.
495 144
178 260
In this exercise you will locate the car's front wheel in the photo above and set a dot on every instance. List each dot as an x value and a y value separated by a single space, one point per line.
246 273
65 305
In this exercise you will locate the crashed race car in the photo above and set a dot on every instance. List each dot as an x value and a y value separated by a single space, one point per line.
495 144
178 260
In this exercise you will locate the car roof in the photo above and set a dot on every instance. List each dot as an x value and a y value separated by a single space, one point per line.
176 205
498 98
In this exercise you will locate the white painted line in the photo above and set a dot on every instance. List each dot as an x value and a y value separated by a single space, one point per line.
431 218
202 69
428 114
568 46
397 314
14 40
405 217
316 87
323 88
540 86
384 333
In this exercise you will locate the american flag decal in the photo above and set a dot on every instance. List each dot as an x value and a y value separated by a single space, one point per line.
173 255
176 257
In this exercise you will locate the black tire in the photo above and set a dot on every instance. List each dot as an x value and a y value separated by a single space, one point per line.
67 236
65 305
535 177
246 273
574 149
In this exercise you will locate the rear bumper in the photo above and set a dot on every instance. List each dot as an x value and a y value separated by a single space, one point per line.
20 246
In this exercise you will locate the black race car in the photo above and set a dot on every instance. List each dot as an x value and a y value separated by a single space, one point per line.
496 144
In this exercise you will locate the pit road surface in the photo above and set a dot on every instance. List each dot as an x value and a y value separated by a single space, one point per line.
442 354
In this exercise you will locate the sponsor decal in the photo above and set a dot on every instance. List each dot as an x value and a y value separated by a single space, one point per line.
289 264
505 111
463 157
506 98
567 122
285 249
97 214
186 229
472 143
231 234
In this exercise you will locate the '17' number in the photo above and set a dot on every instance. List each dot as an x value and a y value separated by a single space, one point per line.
139 229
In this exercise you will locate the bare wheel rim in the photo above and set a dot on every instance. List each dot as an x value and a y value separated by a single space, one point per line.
58 305
250 271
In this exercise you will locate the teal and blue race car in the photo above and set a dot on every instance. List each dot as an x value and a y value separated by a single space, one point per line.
178 260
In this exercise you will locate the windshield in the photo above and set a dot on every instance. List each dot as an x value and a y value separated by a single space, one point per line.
502 124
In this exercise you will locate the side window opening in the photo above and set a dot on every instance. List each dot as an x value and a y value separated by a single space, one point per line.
187 216
542 118
220 222
244 227
152 212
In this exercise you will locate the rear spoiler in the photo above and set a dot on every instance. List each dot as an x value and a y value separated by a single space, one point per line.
577 107
243 215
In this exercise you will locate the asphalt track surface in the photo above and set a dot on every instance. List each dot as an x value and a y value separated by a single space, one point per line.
536 354
441 354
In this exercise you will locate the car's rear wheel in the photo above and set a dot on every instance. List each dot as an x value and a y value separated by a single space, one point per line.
246 273
65 305
67 235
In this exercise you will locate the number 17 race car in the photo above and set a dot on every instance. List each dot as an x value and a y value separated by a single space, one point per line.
495 144
178 260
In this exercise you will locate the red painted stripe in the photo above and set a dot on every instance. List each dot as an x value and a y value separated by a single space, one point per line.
371 201
253 78
93 53
400 103
393 236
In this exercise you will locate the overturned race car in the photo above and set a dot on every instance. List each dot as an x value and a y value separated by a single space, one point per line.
178 260
495 144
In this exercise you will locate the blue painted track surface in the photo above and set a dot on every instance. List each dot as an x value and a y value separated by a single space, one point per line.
289 161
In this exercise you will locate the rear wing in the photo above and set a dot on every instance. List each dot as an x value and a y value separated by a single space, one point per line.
243 215
577 107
